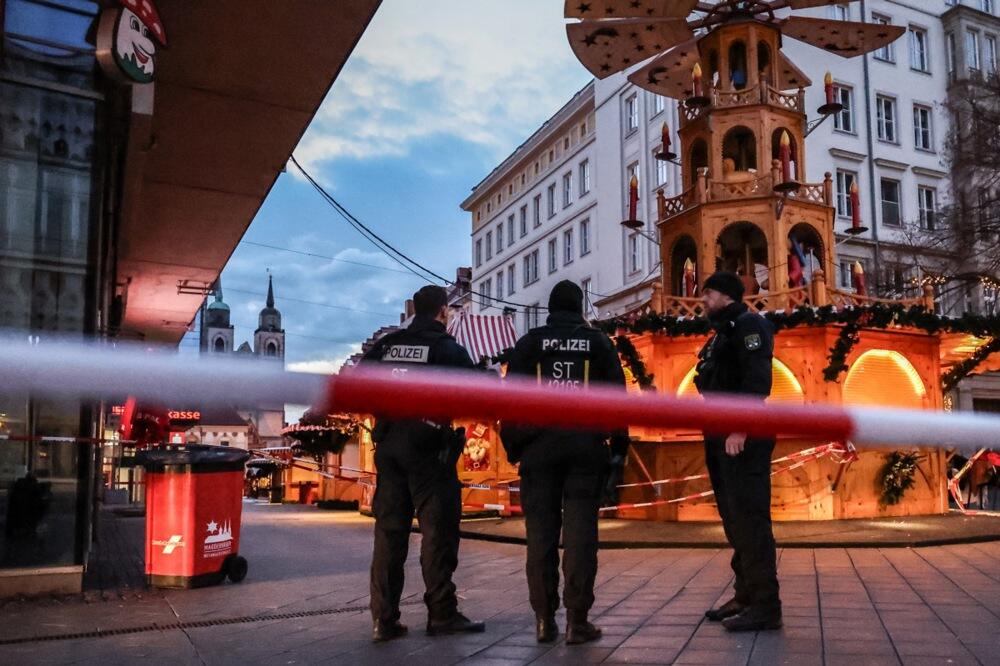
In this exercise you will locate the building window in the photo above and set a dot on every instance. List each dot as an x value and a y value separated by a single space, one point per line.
489 245
634 256
885 109
584 177
532 315
585 238
659 103
511 283
891 214
536 210
552 200
567 247
524 221
530 268
500 238
844 181
919 57
887 53
588 305
846 278
972 50
927 204
840 12
662 172
922 136
510 230
485 289
479 252
631 114
950 52
991 54
632 170
553 255
567 189
986 6
844 121
500 285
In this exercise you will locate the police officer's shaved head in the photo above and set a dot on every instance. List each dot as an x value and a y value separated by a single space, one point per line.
429 300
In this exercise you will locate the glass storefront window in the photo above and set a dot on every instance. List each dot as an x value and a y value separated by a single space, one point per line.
49 127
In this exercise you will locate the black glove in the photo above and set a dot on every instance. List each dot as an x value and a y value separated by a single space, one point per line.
615 476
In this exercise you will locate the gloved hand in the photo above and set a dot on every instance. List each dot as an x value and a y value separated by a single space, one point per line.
615 476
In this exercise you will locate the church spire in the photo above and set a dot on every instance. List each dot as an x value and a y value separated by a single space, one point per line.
270 292
217 289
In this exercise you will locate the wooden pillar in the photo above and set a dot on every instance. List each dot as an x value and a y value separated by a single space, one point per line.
828 188
661 204
818 288
929 297
701 185
656 300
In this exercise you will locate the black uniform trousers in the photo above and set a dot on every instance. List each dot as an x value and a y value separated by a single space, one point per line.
561 482
742 486
414 479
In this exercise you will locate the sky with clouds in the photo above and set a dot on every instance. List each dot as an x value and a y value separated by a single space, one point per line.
435 95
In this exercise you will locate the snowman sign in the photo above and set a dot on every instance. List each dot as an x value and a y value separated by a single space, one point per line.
128 35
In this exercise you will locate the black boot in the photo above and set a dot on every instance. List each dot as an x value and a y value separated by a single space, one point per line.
456 624
386 631
755 618
546 628
578 629
728 609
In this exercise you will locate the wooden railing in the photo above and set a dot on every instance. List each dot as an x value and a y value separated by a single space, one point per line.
728 99
740 185
841 299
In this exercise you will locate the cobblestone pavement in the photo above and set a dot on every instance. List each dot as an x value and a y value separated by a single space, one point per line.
305 602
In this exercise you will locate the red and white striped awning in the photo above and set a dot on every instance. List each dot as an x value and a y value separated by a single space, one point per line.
485 336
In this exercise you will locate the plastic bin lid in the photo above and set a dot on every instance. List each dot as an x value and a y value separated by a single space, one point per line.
196 455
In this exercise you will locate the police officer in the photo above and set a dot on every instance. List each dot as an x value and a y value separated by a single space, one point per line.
563 471
737 359
415 461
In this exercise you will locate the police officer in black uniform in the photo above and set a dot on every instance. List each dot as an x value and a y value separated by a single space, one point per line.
737 360
415 461
563 471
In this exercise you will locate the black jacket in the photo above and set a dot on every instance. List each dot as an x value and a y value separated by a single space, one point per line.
424 344
737 359
568 353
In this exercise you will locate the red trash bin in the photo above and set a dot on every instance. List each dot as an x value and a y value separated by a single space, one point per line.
194 499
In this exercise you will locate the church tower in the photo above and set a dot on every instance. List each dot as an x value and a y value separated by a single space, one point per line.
269 338
216 329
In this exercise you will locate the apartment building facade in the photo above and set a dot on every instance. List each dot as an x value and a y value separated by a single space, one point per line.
891 139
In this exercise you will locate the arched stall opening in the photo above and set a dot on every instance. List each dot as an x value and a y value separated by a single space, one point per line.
740 146
738 65
805 254
699 158
793 144
765 71
785 386
683 268
742 249
886 378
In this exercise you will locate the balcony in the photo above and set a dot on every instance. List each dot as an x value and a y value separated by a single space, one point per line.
741 185
760 94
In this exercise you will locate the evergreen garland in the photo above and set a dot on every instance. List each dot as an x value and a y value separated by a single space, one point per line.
896 476
853 319
634 361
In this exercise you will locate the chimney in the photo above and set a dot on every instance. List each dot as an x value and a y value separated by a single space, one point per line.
408 310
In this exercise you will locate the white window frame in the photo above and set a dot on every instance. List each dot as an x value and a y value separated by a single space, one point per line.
500 238
551 191
845 178
927 205
659 104
886 202
500 285
631 113
524 220
479 252
845 95
511 279
888 52
633 253
489 245
887 126
973 57
567 189
923 136
585 237
584 177
536 211
920 57
568 247
553 256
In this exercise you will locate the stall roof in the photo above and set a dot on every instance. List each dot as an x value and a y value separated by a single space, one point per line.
234 93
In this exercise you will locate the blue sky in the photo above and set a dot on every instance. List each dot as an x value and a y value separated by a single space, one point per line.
435 95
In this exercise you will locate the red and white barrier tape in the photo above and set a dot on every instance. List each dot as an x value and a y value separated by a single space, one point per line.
62 370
